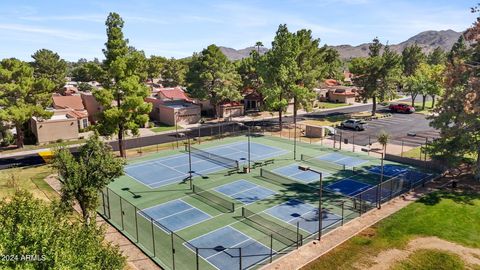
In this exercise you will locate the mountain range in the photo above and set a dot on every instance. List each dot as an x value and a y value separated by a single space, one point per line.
428 41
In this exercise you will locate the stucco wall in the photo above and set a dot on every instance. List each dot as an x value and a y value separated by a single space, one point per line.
53 130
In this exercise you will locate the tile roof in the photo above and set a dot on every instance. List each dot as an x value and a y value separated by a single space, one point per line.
172 93
65 102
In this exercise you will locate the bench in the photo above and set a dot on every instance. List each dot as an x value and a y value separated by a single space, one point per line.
257 164
232 171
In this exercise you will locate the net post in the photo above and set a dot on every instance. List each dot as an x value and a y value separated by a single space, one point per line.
361 206
108 201
197 259
343 211
121 212
173 251
298 234
240 258
153 237
136 222
271 248
243 211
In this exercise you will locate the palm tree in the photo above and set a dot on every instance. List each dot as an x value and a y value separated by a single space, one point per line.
382 138
258 44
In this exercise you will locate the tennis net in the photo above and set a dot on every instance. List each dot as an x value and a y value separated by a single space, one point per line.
276 178
214 198
281 233
323 164
223 161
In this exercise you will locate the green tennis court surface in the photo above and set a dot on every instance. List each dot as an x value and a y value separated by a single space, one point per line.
226 219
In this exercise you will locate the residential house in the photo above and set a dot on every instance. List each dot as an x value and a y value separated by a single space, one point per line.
230 109
69 118
64 124
332 91
252 100
93 107
172 106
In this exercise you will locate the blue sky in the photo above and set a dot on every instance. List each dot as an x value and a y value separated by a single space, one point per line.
75 29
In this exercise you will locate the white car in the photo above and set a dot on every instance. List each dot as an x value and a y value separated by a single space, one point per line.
354 124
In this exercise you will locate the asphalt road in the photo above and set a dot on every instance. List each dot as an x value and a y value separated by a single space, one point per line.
362 138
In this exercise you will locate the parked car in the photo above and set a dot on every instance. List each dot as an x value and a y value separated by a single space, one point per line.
401 108
354 124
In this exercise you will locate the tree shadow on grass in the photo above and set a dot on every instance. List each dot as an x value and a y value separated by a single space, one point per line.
457 197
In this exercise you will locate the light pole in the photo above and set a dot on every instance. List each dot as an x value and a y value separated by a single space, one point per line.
248 138
190 162
320 217
176 127
294 138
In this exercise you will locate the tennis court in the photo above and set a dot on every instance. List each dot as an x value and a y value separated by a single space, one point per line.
306 215
229 243
174 169
176 215
294 172
245 191
348 187
389 170
234 219
342 159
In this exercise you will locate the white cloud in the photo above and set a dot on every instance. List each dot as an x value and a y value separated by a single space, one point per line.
70 35
87 18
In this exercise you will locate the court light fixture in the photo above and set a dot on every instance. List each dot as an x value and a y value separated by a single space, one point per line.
303 168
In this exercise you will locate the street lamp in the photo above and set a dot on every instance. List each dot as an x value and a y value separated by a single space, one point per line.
320 217
248 137
190 162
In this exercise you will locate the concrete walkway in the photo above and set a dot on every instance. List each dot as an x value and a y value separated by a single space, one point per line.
313 250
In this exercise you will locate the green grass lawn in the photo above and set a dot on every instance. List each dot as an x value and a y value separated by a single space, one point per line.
162 128
331 105
30 179
42 146
453 217
427 259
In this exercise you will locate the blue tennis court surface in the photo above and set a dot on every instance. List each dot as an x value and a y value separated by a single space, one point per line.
342 159
348 187
226 255
174 169
306 215
389 170
245 191
176 215
294 172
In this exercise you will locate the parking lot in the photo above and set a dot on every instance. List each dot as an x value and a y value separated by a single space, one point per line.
399 126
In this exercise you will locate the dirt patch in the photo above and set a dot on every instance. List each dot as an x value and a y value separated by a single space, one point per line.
386 259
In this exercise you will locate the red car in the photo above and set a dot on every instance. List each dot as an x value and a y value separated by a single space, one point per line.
401 108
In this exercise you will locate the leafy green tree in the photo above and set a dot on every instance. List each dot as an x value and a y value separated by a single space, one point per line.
173 73
87 72
427 80
259 45
437 57
85 87
123 92
212 76
247 68
155 65
85 174
279 71
48 65
332 65
29 226
412 57
377 75
22 95
457 114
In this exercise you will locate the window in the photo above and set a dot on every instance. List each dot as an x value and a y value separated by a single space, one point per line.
85 122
